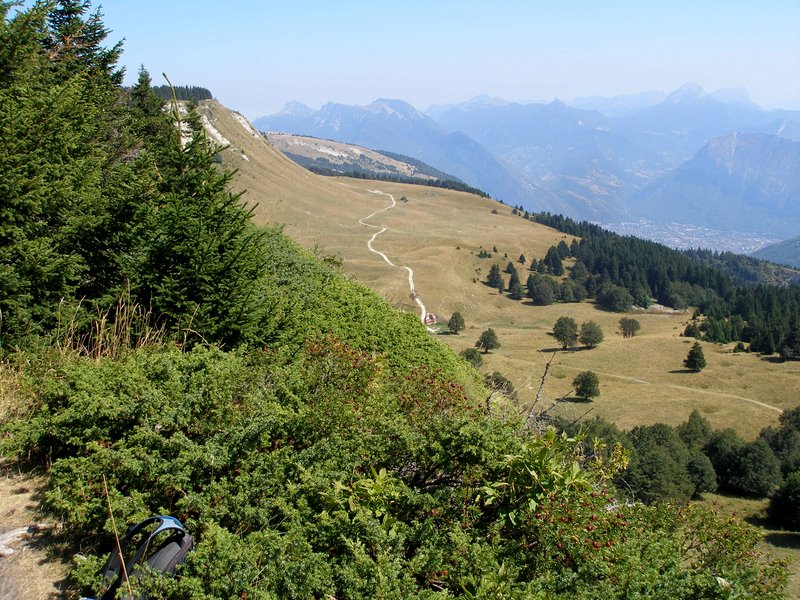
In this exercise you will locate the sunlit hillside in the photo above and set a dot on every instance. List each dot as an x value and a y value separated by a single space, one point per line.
438 233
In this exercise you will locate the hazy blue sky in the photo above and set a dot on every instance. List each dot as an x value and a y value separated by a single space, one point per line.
257 55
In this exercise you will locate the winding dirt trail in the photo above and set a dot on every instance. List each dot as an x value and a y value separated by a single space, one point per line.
684 388
381 229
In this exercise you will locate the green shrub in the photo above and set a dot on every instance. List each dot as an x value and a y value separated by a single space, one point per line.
784 507
334 472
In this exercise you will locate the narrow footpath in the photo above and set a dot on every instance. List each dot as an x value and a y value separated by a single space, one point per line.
685 388
381 229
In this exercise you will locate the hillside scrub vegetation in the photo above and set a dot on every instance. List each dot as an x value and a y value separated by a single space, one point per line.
165 356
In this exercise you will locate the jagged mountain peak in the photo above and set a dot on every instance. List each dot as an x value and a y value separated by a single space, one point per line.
297 109
734 96
557 103
390 107
688 91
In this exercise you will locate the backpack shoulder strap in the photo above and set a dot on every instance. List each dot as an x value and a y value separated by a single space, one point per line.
165 524
165 559
114 563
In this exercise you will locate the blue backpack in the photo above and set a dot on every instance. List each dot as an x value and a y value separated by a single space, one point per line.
161 549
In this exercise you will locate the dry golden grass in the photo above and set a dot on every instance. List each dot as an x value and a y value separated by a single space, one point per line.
438 233
15 400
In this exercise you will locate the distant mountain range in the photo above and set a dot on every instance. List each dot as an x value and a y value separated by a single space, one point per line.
396 126
739 181
574 155
659 157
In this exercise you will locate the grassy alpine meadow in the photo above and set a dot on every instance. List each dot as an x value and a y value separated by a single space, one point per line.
439 234
642 379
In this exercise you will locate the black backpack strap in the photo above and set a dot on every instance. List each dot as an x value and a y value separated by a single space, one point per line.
113 567
165 558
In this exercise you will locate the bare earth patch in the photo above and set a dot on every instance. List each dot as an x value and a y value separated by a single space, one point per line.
29 567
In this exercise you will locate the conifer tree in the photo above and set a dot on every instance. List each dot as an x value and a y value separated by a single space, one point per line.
514 279
553 261
516 291
57 91
494 278
695 360
202 266
74 41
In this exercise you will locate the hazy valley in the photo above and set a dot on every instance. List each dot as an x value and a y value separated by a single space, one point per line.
688 157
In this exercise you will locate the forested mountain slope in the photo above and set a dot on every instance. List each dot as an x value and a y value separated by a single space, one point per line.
738 182
785 253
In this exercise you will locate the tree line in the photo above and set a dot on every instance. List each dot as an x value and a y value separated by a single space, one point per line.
543 288
191 93
680 463
447 184
765 316
108 195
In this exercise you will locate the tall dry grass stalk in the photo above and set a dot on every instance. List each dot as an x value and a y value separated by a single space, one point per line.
14 402
122 564
112 332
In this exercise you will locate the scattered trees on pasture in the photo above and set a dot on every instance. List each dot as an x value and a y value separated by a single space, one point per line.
784 507
695 360
586 385
629 327
488 341
456 323
495 278
590 334
473 357
565 331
